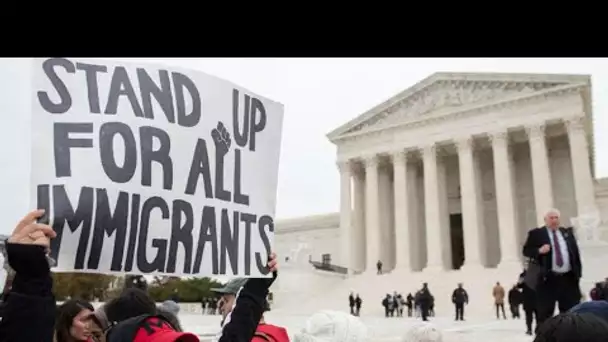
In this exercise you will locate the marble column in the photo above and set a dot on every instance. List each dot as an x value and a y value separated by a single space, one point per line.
432 210
581 166
372 215
416 242
471 218
346 211
359 220
505 198
401 210
541 173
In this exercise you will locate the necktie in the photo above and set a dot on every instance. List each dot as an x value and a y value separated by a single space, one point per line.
559 260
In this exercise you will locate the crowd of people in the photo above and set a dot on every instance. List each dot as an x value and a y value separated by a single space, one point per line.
29 311
551 278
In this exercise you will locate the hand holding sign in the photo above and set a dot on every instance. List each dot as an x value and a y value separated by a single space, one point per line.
28 232
273 264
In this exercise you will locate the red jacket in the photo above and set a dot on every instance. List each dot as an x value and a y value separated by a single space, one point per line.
270 333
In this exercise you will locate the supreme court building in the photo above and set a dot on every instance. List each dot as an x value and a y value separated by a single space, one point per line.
452 173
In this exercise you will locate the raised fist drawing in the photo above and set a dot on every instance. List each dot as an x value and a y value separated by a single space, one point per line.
221 138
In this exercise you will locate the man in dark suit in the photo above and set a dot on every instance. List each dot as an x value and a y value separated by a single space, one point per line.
555 250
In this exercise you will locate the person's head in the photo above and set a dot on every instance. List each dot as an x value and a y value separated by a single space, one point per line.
552 218
573 327
459 285
170 317
170 306
228 295
497 283
134 312
423 332
598 308
73 321
332 326
99 323
132 302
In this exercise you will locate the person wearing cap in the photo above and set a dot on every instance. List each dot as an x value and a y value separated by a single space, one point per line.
264 332
31 298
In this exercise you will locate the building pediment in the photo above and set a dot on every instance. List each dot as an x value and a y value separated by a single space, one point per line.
448 92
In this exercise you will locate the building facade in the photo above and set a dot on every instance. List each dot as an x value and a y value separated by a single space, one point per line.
452 172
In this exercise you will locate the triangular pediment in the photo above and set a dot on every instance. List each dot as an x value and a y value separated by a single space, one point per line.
444 92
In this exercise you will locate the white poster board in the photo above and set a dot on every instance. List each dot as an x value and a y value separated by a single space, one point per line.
153 170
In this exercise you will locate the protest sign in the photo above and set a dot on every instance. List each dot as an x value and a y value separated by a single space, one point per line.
153 170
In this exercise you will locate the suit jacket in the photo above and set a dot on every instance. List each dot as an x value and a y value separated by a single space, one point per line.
540 236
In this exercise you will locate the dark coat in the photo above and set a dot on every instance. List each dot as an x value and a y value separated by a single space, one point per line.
460 296
528 295
515 297
425 299
538 237
29 309
28 313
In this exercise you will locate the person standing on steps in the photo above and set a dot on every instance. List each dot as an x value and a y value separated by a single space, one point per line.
460 298
386 305
409 302
529 302
425 299
351 303
554 250
379 267
514 298
499 300
358 303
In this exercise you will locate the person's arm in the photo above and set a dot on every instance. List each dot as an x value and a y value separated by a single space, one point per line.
530 249
242 321
466 297
576 251
28 314
30 300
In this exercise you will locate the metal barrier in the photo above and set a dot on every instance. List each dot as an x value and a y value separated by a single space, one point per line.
329 267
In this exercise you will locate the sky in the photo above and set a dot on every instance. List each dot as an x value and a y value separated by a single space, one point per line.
321 94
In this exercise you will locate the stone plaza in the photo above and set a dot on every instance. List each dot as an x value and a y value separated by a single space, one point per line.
381 329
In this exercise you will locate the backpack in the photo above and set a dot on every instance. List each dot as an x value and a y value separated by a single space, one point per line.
262 336
126 330
270 333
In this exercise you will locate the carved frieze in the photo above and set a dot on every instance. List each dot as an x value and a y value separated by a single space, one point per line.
575 124
450 94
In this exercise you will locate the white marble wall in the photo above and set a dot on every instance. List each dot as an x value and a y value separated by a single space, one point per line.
312 236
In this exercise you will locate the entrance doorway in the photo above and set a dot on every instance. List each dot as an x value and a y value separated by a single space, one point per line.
457 240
